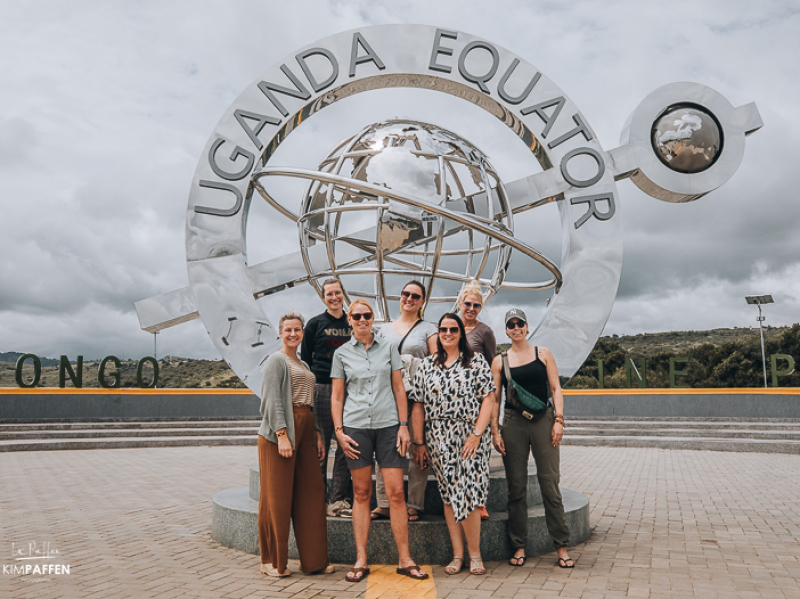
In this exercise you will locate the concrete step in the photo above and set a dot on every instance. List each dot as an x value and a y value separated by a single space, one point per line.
692 443
779 434
687 423
95 433
123 442
127 424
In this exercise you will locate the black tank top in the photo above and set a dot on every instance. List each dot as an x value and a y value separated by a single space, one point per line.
531 376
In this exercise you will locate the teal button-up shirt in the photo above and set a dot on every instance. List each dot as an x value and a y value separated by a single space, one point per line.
367 374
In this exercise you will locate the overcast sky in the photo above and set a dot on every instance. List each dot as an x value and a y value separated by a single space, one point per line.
105 108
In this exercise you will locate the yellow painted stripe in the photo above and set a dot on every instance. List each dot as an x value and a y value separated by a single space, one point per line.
734 391
126 391
385 583
137 391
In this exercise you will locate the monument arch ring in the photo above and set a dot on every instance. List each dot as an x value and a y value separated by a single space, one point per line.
225 288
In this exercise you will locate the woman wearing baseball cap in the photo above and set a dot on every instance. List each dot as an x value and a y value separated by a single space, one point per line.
533 423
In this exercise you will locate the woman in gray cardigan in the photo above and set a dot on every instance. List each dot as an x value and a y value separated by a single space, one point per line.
289 450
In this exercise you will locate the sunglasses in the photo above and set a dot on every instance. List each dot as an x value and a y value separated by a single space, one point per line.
471 305
515 324
360 315
451 330
414 296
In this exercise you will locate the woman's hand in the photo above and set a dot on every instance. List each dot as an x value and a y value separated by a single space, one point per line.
285 446
470 447
403 440
499 444
558 433
348 445
421 456
320 447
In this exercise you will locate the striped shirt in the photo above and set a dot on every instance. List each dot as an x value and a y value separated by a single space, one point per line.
303 381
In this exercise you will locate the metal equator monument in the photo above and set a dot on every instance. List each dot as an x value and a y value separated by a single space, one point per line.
363 222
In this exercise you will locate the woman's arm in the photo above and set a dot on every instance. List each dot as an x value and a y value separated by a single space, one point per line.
403 438
555 389
497 438
346 442
471 445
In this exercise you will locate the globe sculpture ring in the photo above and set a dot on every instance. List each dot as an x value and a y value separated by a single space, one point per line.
408 199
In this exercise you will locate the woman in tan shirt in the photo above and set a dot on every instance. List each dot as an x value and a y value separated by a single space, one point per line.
289 450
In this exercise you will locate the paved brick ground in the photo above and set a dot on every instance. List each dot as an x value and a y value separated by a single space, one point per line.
666 524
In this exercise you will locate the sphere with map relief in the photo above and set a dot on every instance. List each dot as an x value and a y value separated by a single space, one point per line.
375 243
687 138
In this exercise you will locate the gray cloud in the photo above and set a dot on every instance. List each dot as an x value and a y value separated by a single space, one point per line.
107 107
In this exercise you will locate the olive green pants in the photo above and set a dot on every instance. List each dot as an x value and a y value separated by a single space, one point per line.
521 437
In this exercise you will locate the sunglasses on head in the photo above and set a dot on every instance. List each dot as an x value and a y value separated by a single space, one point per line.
360 315
515 324
472 305
413 296
451 330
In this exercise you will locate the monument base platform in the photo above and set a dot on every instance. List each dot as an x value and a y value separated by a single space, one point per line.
235 512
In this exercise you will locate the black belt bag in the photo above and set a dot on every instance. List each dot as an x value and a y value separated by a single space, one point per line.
521 400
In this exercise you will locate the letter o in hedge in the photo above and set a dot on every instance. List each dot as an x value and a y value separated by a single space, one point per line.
101 373
37 371
139 368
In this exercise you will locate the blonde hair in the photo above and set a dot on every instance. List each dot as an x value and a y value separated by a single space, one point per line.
359 302
470 288
291 316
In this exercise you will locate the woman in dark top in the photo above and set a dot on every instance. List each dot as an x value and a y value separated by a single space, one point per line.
479 336
534 369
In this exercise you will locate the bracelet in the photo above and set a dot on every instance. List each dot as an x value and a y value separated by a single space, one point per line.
404 423
560 421
420 443
283 434
337 429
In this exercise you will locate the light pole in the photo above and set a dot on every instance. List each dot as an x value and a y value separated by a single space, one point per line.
758 300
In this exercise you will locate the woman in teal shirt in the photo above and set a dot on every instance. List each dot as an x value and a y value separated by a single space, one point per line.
367 427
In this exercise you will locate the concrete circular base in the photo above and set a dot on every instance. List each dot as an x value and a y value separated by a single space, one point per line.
235 511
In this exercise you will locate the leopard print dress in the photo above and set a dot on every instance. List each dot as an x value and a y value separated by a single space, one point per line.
452 398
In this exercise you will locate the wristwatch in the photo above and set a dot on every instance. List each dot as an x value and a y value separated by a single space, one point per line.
477 433
404 423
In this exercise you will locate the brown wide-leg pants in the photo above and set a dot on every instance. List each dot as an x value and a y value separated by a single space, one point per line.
292 489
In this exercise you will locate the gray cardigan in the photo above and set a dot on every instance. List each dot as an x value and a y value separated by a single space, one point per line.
276 399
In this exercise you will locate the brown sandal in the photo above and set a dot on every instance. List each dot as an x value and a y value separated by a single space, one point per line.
414 572
357 574
379 513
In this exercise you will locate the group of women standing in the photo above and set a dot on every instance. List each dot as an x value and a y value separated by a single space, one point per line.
450 375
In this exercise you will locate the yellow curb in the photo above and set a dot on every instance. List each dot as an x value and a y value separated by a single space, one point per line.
125 391
708 391
385 583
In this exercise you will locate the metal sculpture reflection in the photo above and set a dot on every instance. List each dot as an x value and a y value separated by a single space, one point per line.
406 198
411 199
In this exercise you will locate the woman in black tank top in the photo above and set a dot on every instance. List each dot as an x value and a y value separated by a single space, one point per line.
534 369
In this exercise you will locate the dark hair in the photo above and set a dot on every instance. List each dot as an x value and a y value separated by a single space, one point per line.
463 345
421 286
327 282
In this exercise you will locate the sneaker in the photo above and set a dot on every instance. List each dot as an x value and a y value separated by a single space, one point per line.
340 509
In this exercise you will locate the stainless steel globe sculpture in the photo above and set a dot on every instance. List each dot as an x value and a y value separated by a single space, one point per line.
404 200
687 138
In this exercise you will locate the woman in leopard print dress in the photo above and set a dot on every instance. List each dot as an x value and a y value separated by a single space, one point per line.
454 391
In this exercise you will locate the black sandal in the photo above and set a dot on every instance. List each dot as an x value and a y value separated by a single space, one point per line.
517 561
